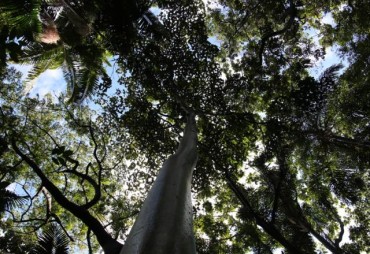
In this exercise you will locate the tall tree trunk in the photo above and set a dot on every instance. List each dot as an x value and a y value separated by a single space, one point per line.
164 224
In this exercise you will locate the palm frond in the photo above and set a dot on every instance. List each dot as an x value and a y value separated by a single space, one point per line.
42 59
21 15
72 71
87 81
8 199
37 70
52 240
37 52
69 76
329 78
68 67
86 67
330 73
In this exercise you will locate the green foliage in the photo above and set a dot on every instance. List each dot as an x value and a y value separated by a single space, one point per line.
12 242
20 16
8 199
283 153
52 240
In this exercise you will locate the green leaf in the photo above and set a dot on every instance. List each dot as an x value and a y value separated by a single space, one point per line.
62 161
132 166
55 160
67 153
58 150
52 240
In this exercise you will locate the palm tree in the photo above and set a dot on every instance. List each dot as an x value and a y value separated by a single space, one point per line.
52 240
82 65
8 199
18 23
70 41
21 18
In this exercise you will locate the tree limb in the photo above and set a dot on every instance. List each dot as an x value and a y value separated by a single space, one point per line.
268 227
105 240
292 15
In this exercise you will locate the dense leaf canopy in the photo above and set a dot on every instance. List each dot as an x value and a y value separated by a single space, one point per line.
284 151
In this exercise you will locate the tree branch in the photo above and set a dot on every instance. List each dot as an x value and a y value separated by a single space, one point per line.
105 240
96 187
61 225
341 233
268 227
88 238
292 15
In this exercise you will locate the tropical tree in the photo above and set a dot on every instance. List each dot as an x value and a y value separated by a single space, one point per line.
9 199
71 36
52 240
282 155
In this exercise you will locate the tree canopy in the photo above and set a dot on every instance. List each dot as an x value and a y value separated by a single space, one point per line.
284 152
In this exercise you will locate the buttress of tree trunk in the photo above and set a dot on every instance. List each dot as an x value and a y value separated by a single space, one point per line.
165 223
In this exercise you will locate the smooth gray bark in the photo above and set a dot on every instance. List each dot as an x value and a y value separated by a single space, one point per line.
165 222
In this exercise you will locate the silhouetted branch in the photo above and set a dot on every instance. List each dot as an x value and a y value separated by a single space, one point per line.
104 239
292 15
341 233
96 187
268 227
61 225
88 238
